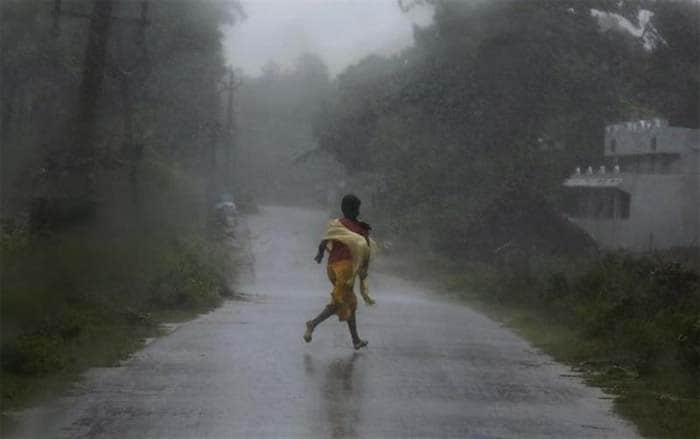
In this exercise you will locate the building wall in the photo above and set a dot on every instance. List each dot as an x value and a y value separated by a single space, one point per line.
647 137
656 212
691 195
655 218
660 169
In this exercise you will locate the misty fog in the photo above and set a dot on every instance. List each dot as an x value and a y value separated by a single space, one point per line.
502 198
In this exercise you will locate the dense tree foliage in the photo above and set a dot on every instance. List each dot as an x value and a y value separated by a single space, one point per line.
475 127
80 288
159 104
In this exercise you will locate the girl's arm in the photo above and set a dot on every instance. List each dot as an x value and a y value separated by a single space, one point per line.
321 250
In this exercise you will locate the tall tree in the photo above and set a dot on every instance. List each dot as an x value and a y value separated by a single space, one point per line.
491 109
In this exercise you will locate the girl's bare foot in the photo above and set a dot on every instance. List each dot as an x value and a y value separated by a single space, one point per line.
309 330
360 344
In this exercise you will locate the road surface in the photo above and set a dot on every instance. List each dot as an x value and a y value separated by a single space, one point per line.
432 368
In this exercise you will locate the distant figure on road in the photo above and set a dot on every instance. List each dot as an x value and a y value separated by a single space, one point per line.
350 247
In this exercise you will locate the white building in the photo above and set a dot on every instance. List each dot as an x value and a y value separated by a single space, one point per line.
648 194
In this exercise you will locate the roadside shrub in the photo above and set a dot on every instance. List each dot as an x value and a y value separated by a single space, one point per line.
557 287
673 285
478 278
12 238
632 321
641 311
34 354
689 341
67 291
192 282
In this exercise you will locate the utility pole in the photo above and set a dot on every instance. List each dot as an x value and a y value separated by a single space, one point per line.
91 82
72 184
222 136
233 83
132 151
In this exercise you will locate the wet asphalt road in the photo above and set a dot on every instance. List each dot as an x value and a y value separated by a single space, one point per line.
432 369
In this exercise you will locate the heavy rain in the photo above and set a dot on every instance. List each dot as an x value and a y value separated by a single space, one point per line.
350 218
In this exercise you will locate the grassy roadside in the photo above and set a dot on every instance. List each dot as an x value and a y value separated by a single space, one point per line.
630 324
82 298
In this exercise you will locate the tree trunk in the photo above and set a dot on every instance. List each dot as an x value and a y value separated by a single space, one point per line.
71 193
91 83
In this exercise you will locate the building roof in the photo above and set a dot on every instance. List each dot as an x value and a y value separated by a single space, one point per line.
593 182
649 137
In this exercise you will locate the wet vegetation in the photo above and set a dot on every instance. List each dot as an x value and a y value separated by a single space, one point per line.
473 129
118 139
80 298
630 323
106 218
472 132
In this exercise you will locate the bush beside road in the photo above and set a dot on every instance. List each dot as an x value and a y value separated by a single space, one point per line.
630 324
80 299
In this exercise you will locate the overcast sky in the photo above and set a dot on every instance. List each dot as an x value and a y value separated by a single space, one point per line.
340 31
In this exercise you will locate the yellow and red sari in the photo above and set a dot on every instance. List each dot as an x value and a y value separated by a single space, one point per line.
350 250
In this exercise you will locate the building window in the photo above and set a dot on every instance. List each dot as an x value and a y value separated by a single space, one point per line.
623 204
597 203
613 145
646 163
670 163
653 143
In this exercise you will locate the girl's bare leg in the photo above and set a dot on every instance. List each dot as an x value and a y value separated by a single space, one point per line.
311 324
357 342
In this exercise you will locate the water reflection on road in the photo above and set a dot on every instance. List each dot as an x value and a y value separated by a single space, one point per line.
340 393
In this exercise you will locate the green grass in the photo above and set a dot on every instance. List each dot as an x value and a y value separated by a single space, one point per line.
631 325
85 298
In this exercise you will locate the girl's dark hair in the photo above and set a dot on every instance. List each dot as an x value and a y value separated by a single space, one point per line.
349 204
